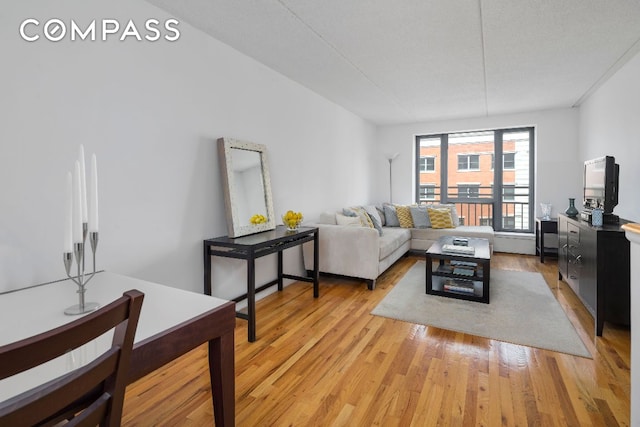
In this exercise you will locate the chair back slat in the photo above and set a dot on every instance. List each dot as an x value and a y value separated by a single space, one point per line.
94 391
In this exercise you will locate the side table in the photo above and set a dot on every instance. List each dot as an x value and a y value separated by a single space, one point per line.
255 246
545 226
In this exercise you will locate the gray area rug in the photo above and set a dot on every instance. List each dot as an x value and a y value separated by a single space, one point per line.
522 311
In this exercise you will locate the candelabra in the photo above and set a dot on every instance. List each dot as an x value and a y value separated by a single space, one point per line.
81 279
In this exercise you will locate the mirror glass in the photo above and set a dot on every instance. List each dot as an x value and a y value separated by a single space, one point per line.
247 187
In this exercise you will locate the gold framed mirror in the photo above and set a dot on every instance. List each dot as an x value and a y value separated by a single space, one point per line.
247 187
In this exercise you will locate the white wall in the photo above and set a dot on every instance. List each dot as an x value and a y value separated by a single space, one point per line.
558 167
152 113
609 126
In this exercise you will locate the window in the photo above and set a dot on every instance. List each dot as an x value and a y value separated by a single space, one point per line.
509 222
427 192
508 193
427 164
500 194
468 162
468 191
486 221
509 161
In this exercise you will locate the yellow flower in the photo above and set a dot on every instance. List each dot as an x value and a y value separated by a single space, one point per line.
258 219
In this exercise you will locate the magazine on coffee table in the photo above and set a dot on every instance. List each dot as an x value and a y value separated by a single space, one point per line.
455 249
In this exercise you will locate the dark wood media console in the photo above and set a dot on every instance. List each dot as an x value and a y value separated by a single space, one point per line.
594 261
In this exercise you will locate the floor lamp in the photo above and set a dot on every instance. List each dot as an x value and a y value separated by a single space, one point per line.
391 157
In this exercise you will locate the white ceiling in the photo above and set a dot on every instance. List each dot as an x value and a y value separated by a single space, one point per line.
399 61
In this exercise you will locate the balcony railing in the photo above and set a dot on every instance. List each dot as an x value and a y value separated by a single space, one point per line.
479 208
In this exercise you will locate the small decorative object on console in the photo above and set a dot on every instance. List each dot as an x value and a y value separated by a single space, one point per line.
545 208
597 217
461 241
571 210
292 220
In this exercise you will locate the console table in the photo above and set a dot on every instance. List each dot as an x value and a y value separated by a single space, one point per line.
255 246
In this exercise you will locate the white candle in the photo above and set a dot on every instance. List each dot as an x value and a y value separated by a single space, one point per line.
76 216
83 184
68 208
93 195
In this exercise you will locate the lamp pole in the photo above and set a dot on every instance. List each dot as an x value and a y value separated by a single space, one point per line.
391 157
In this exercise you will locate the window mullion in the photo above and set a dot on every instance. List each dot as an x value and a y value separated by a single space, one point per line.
444 168
498 223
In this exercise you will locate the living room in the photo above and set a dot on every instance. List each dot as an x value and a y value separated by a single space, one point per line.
152 111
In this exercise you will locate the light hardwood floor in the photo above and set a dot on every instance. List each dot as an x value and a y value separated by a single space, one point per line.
328 362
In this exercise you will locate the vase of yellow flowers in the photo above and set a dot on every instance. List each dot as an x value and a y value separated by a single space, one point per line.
292 220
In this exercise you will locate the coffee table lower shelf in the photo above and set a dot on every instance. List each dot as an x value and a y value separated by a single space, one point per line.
447 284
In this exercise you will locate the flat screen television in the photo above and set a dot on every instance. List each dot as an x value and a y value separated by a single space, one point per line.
601 184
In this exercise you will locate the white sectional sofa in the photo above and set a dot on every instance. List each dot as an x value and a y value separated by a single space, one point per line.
365 252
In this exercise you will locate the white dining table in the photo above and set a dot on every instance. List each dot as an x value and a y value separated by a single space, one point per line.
172 322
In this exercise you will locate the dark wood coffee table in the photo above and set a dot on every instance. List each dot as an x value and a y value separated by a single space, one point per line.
459 275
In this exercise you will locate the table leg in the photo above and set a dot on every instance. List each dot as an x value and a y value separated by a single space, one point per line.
541 244
207 270
280 284
222 375
428 282
251 298
316 265
486 280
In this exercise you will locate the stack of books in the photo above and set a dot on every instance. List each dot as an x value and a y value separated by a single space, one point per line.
457 249
460 287
464 271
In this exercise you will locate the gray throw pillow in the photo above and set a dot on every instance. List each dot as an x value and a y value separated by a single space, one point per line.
380 210
391 216
375 218
420 216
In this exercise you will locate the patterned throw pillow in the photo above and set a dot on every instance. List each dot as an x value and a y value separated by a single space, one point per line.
404 216
452 208
440 218
360 213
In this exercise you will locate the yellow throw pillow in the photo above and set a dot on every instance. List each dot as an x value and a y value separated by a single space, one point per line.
440 218
404 216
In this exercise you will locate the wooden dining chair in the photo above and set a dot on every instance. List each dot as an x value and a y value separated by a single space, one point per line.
88 396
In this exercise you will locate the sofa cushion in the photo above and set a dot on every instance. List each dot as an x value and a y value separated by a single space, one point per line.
349 221
361 213
452 208
404 216
420 216
392 238
390 215
383 220
327 218
432 234
440 218
375 217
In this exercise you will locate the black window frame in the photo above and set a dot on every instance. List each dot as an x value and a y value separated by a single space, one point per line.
497 197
